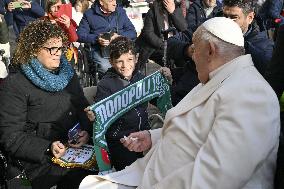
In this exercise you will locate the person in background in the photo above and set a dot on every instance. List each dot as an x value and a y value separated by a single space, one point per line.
101 24
122 74
162 15
275 77
64 21
4 46
200 11
40 100
223 135
22 15
78 10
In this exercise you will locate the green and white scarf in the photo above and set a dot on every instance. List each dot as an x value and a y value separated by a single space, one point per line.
111 108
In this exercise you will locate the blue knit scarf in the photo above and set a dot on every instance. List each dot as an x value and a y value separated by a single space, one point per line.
45 79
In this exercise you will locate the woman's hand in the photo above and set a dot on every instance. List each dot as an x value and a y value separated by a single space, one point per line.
167 73
58 149
64 19
83 139
26 5
169 5
137 142
90 114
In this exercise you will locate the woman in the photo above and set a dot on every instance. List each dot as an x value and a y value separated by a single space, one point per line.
161 15
63 20
40 101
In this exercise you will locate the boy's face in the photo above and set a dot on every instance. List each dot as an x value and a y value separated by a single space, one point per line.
125 64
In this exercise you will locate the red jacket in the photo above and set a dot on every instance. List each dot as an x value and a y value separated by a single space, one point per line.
71 31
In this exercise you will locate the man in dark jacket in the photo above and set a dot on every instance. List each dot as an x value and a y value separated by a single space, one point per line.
257 44
150 42
102 23
22 16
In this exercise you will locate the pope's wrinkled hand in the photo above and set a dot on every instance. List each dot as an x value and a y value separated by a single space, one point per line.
138 141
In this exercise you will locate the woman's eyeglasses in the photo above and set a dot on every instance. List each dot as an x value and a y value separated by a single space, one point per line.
54 50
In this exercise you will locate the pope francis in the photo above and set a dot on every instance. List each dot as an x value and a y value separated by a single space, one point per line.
222 135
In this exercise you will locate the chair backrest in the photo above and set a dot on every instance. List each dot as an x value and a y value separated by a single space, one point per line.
90 93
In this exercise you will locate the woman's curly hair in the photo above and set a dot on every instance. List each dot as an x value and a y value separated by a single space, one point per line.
33 37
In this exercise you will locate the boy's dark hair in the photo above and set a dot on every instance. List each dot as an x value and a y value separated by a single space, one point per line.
246 5
119 46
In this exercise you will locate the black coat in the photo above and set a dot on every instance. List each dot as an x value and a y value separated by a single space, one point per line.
259 46
275 69
134 120
196 15
151 37
31 119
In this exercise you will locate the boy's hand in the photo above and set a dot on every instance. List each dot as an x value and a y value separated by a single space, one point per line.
90 114
58 149
167 73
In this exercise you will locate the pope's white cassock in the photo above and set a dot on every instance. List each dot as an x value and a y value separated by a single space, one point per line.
222 135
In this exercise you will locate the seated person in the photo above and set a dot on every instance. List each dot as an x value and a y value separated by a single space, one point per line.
257 44
162 15
100 24
223 135
64 21
40 100
119 76
200 11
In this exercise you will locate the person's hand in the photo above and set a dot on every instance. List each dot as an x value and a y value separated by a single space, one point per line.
58 149
10 7
83 139
167 73
90 114
190 50
64 19
103 42
26 5
169 5
138 141
114 35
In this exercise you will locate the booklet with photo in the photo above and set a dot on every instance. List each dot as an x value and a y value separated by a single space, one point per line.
83 157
